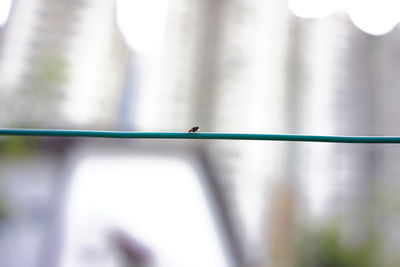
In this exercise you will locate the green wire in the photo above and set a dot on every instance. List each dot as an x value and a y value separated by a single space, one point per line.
201 135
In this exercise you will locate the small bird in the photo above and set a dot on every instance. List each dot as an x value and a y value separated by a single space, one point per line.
194 129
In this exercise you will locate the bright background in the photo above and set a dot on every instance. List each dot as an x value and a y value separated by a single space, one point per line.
260 66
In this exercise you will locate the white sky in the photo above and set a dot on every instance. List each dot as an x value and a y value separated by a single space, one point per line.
4 10
375 17
143 28
141 23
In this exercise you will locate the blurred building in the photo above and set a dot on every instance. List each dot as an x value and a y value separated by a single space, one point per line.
53 49
52 62
253 67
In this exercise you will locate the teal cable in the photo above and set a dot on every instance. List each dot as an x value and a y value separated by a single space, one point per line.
201 135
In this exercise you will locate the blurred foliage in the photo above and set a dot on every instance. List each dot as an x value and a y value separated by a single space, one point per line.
324 247
3 209
17 147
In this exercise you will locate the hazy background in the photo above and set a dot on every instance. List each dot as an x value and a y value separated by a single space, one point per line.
255 66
